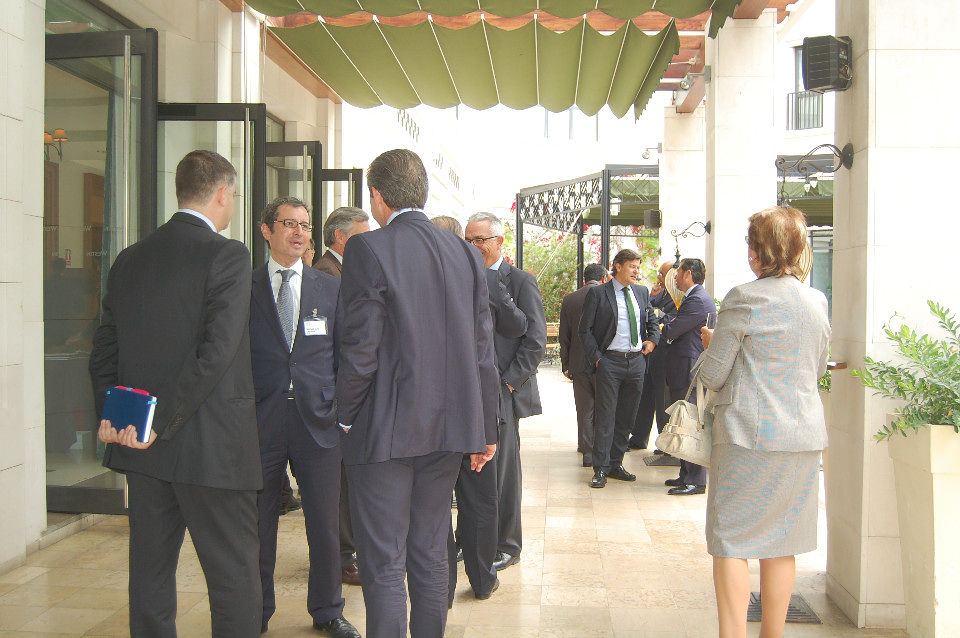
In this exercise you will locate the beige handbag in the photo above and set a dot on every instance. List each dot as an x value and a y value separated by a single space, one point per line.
687 435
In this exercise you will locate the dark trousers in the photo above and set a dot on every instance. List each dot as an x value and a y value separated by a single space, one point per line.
476 526
690 473
583 391
509 488
619 386
653 401
318 475
347 548
223 528
401 520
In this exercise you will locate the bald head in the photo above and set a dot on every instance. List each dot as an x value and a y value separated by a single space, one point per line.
665 268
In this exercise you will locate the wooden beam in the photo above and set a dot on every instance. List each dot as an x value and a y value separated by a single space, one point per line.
280 53
750 9
234 5
692 98
649 21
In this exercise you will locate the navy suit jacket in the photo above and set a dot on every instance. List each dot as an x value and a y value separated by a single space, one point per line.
417 372
598 321
683 333
312 365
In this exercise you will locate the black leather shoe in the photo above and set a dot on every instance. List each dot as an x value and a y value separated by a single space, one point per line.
338 628
587 461
289 504
685 490
504 560
659 451
636 444
599 479
496 586
674 483
621 474
263 627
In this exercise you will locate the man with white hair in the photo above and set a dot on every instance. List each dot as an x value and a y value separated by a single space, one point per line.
517 361
342 224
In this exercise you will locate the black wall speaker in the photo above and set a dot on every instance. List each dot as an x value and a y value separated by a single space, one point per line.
652 219
827 63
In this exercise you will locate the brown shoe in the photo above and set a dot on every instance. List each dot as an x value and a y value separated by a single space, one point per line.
350 575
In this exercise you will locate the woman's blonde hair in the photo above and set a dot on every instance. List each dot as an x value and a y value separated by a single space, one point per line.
779 237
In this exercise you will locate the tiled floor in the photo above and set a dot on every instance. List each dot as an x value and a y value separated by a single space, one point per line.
624 562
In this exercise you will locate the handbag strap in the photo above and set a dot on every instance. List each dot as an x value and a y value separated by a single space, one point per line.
693 382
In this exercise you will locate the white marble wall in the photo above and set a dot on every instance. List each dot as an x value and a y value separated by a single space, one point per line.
683 197
22 466
895 246
741 142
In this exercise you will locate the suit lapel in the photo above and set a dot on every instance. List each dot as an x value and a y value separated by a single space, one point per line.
308 292
505 270
263 294
612 299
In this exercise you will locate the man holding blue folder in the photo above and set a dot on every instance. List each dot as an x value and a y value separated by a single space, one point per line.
174 324
293 330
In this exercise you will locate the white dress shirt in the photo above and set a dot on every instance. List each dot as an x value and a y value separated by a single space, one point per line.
621 340
496 265
276 279
199 215
337 255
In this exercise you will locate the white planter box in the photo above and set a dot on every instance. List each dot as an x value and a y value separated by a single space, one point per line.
927 470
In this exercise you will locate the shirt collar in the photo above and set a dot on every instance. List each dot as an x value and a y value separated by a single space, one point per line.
336 255
273 267
689 290
496 265
397 213
619 286
199 215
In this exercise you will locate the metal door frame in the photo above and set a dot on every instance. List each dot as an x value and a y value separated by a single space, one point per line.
314 150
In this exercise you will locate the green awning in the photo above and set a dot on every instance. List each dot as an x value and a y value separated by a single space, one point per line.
620 9
482 65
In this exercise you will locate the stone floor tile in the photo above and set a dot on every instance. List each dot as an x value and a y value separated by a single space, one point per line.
65 620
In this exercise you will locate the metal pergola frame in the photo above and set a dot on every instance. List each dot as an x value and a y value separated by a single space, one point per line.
561 206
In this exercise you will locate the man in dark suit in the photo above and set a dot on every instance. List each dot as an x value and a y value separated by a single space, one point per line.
342 224
617 328
571 359
683 335
517 361
174 323
417 389
653 401
293 332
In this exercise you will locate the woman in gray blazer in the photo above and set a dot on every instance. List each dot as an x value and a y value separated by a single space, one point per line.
764 359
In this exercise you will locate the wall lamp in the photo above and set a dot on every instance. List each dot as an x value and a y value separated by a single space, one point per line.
808 168
690 78
55 141
646 152
689 231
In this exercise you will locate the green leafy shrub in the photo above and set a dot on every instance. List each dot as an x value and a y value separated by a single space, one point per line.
927 380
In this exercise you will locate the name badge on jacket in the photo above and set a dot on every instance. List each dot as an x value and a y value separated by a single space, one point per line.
314 326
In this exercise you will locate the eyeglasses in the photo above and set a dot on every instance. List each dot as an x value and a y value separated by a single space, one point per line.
292 224
476 241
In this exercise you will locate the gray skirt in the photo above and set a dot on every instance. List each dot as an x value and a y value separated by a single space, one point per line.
762 504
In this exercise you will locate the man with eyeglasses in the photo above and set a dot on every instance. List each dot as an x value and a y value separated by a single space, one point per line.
517 361
293 344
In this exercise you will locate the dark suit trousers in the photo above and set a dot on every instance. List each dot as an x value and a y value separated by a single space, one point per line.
223 528
690 473
401 520
509 487
653 401
318 475
347 547
476 526
619 386
583 391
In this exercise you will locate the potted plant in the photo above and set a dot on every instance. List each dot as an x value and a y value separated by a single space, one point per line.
924 439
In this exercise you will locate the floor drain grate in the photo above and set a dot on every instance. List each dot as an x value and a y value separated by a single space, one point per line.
798 612
662 460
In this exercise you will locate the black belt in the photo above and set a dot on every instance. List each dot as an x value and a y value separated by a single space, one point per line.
617 354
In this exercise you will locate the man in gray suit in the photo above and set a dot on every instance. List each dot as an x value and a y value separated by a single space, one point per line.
417 389
174 323
517 360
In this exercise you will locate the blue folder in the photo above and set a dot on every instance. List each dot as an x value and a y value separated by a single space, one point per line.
124 407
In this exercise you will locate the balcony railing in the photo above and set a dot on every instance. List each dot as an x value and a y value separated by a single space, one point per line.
804 110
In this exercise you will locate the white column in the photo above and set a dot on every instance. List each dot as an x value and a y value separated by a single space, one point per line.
682 181
741 142
895 246
22 451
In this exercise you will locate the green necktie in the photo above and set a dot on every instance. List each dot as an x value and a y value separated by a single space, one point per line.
631 315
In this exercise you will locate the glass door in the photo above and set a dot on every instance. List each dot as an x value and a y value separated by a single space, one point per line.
341 187
291 171
99 162
236 131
